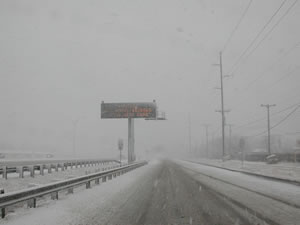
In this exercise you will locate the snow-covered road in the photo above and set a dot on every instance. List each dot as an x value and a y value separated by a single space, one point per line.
166 192
243 188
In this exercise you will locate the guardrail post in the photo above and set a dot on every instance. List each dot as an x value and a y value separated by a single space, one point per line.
70 190
2 209
56 167
31 203
21 171
4 172
88 184
54 196
31 169
97 181
41 169
49 167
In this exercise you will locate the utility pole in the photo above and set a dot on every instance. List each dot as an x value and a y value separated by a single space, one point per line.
269 135
230 133
206 131
190 138
222 106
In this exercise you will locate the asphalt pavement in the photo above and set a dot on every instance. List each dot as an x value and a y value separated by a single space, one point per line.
169 196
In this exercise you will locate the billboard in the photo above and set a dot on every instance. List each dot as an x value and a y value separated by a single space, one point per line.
128 110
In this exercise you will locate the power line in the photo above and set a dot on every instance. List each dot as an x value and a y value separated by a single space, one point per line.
285 118
250 84
280 122
284 76
256 37
237 25
272 65
270 31
266 35
263 119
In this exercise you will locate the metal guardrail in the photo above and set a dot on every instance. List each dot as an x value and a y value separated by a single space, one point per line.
27 165
32 194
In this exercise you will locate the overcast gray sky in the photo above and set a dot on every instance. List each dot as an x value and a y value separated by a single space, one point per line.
59 59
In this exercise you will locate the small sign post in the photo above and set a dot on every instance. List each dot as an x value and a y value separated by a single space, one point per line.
120 145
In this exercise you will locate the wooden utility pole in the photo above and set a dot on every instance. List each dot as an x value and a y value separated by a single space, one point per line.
206 132
190 134
269 130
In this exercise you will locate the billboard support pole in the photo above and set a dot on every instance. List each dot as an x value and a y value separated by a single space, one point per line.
131 155
146 110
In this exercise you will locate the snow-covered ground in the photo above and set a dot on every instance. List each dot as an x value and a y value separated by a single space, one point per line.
14 183
74 209
283 170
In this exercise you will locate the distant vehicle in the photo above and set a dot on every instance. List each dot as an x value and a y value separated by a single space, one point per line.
272 159
227 157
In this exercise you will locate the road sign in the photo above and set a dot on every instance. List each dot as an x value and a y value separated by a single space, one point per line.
120 144
128 110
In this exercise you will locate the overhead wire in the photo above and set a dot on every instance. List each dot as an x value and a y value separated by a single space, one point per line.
259 120
274 26
232 69
250 84
294 47
288 74
235 65
272 114
237 25
277 124
267 34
